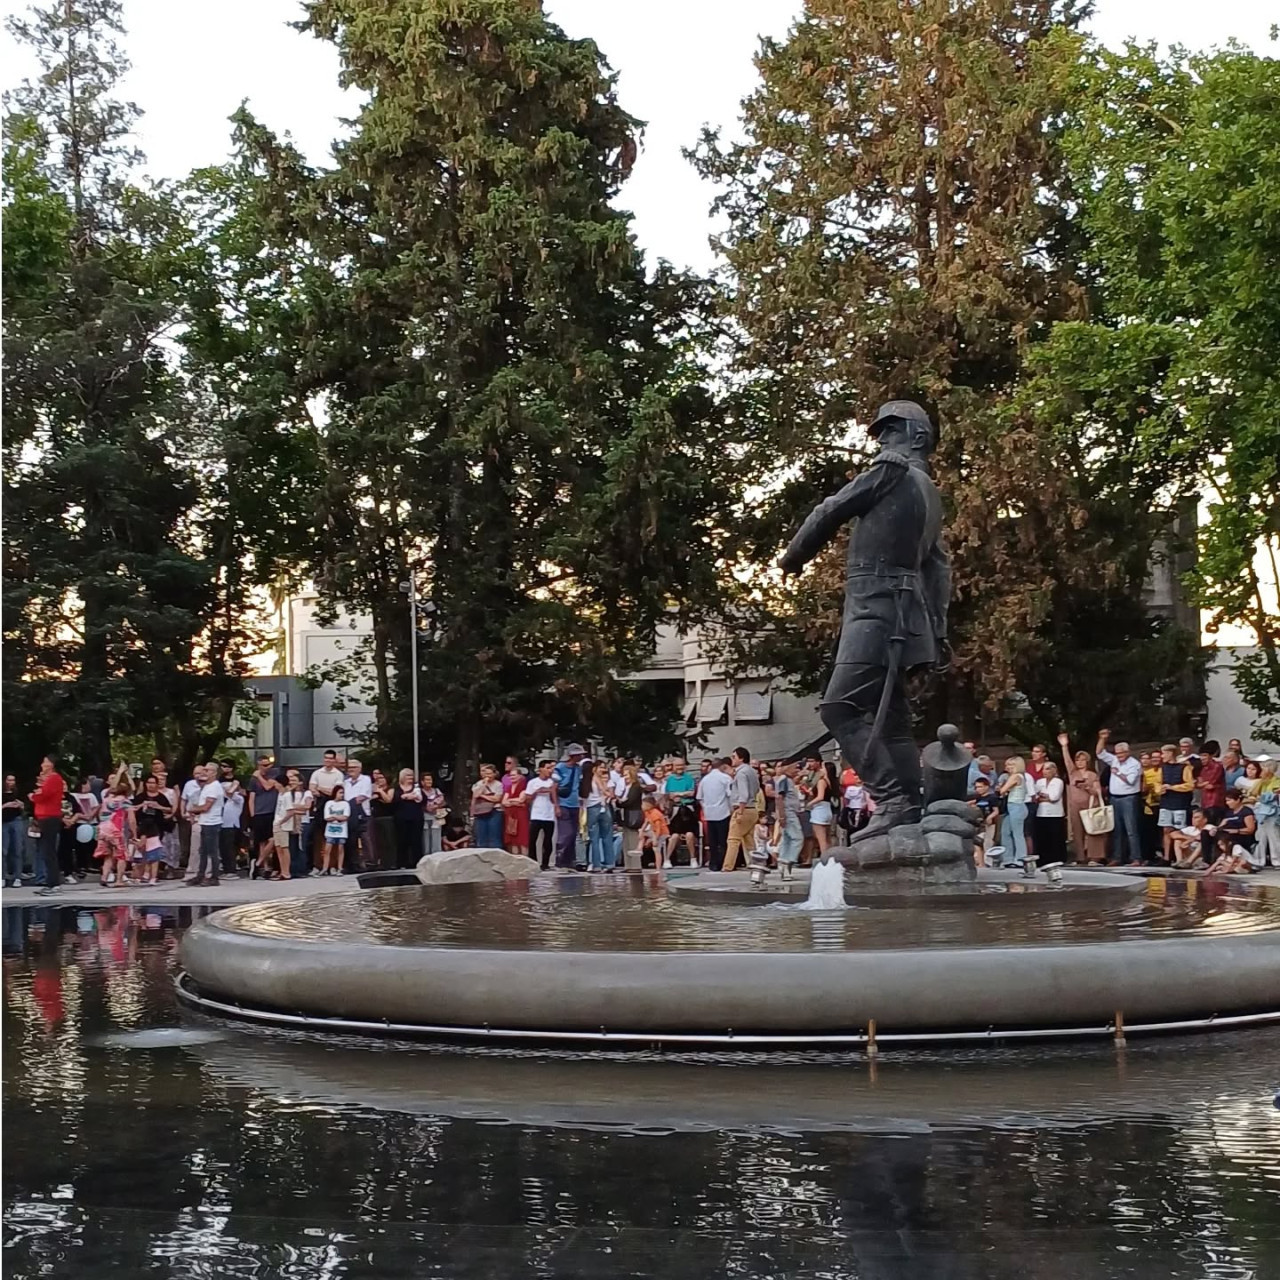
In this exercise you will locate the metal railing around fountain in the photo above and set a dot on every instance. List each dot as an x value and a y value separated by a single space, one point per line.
870 1038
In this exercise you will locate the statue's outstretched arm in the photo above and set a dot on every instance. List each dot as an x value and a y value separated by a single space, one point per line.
855 499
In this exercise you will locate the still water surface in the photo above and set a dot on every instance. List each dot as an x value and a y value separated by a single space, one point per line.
143 1141
631 913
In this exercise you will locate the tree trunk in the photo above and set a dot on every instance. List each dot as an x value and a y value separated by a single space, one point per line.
466 759
95 723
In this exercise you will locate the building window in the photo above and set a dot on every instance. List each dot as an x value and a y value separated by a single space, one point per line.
752 702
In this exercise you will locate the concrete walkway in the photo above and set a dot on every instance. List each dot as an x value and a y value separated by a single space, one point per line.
177 893
229 892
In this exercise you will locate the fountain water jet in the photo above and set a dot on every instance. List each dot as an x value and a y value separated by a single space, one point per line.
826 887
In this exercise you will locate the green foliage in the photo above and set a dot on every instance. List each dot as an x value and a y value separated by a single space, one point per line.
128 570
510 410
1177 163
900 225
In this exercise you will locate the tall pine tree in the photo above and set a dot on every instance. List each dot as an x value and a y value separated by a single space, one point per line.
121 607
510 411
898 226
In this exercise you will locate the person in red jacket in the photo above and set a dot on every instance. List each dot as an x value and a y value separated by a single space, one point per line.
46 808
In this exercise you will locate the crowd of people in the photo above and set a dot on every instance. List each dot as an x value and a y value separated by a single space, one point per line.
1179 806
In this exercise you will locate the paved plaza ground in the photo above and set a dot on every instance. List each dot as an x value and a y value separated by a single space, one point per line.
231 890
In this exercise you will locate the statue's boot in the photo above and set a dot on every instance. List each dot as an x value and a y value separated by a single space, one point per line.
896 811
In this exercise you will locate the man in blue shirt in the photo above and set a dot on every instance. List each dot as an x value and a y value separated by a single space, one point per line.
568 776
981 767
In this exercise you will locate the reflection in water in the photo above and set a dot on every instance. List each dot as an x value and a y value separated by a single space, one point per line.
262 1155
627 914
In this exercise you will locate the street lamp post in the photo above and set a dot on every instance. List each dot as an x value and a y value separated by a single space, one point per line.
411 591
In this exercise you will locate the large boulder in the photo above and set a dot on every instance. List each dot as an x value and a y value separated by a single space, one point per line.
468 866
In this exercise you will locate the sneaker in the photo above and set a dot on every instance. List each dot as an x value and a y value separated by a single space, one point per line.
213 884
46 891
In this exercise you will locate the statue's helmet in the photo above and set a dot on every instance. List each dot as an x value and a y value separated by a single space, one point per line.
923 433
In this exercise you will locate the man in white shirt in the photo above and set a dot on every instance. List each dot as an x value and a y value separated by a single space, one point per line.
357 789
321 784
207 812
713 792
190 795
1125 788
616 779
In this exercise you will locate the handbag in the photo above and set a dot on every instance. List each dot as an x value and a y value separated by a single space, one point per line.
1098 819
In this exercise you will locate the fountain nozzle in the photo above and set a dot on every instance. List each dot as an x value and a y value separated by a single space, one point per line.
759 863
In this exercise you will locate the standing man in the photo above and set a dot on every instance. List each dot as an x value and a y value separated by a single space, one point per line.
358 791
714 790
189 796
742 819
46 809
232 816
1212 781
321 784
568 776
207 812
1125 787
897 589
981 767
263 791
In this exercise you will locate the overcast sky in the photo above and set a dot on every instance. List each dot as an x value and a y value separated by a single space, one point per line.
681 63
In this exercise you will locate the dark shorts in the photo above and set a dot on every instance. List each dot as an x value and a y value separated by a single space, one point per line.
262 827
684 820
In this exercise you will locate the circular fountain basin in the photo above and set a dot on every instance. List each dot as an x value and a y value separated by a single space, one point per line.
626 959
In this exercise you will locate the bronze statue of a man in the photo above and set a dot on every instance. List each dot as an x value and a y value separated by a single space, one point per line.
895 607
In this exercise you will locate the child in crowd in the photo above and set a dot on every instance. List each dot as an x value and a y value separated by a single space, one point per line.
1232 860
984 800
654 832
337 813
117 831
454 834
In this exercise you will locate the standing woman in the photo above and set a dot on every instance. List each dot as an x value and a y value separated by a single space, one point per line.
486 809
170 845
599 819
293 800
117 831
15 832
434 807
406 809
154 812
382 822
630 809
1013 833
825 784
85 807
515 811
787 831
1051 827
1084 791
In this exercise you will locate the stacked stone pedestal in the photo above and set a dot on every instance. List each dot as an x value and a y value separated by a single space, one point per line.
936 852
